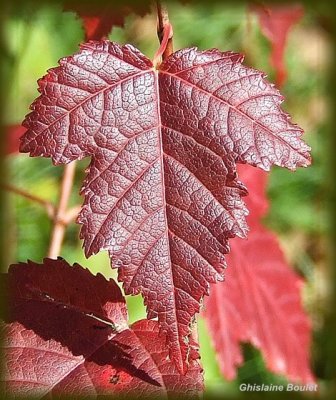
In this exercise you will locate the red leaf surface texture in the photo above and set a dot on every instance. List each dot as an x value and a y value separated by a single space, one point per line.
67 333
260 300
162 194
276 21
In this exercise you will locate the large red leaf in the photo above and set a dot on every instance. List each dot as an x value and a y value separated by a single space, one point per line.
276 21
260 300
66 333
161 194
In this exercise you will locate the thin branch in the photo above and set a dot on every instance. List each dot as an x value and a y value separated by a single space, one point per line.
162 25
71 214
50 208
58 232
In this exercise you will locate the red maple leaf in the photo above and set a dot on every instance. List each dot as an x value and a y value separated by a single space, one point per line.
260 300
67 334
162 194
275 22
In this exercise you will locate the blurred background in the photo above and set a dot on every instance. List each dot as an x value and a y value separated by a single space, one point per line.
35 37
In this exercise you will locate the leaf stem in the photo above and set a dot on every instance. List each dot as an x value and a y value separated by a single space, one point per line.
164 32
58 231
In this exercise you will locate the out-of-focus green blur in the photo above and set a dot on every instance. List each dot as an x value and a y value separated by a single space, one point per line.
37 37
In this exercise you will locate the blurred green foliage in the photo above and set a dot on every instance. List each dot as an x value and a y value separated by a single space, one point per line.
37 36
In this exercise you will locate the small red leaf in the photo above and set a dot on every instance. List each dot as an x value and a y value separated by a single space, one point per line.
260 300
61 338
99 19
12 138
162 194
276 21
